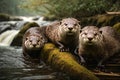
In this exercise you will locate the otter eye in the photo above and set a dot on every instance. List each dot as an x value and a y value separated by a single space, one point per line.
95 34
38 41
41 38
30 40
26 38
85 33
65 24
80 30
60 22
75 24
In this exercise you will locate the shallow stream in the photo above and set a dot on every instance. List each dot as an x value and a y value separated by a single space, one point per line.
14 67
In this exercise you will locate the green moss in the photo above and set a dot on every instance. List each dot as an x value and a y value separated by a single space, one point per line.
47 48
117 27
101 20
4 17
17 41
65 62
27 26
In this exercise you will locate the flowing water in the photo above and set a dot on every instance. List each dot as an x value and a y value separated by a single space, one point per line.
14 67
7 37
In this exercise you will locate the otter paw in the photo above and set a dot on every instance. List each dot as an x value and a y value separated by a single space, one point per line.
101 68
83 62
64 49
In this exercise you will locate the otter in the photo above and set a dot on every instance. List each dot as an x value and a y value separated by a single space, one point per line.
64 33
33 40
97 44
112 42
109 31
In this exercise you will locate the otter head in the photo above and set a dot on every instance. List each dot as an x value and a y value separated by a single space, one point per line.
34 42
69 26
90 35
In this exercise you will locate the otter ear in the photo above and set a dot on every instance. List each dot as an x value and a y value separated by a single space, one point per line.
26 38
79 22
60 22
80 30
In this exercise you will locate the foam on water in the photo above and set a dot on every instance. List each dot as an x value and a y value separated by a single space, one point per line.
7 37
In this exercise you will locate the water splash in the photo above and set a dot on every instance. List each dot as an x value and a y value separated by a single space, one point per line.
7 37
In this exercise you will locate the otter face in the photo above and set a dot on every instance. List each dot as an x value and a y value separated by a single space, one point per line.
34 42
90 35
69 26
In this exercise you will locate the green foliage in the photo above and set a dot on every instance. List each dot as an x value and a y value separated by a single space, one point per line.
115 5
101 20
68 8
12 7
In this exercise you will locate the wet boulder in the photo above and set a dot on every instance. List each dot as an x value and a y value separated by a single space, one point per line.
4 28
20 24
4 17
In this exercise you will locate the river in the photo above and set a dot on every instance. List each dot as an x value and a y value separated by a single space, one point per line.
13 66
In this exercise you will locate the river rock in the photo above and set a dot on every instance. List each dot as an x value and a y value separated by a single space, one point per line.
4 17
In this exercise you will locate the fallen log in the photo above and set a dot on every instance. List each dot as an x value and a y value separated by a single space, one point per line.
113 13
108 76
66 63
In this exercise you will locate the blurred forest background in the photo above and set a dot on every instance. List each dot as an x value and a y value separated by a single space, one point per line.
58 8
12 7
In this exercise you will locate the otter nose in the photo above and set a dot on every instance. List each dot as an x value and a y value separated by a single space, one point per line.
70 28
34 45
90 38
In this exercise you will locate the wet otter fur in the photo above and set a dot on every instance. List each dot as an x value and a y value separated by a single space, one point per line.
33 40
97 44
64 33
112 41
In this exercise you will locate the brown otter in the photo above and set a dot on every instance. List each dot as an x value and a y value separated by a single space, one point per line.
33 40
112 41
109 31
64 33
97 44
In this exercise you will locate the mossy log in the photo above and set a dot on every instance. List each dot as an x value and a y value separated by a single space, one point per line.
66 63
117 27
4 17
113 13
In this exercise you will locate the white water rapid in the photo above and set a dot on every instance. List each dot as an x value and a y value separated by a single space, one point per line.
7 37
